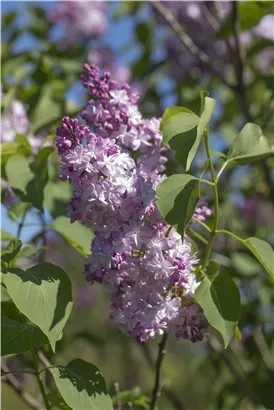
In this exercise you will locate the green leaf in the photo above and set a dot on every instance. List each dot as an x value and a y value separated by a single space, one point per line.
19 175
126 8
56 197
8 18
259 46
169 112
27 184
56 401
249 13
218 154
245 264
40 177
8 149
24 142
82 386
250 145
46 110
238 334
219 298
10 252
203 95
5 297
18 337
213 268
263 252
6 236
43 295
178 197
179 134
183 132
17 210
77 235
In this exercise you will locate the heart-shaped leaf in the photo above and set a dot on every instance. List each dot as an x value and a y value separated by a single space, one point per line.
178 197
219 298
263 252
183 132
43 294
169 112
82 386
77 235
10 252
249 146
18 337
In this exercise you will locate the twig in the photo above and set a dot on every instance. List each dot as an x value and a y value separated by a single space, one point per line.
158 367
44 360
238 66
39 380
241 91
21 224
172 397
17 387
117 393
187 41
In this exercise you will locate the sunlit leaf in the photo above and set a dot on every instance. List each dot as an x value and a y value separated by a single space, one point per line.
178 196
43 294
82 386
219 298
77 235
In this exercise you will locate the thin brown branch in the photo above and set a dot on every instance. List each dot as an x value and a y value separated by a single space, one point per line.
172 397
44 361
12 381
241 90
117 394
187 41
158 368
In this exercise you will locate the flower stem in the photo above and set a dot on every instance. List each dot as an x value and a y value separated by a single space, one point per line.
39 379
158 367
21 224
216 201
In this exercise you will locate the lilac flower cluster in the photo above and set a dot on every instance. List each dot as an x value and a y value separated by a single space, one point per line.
145 265
13 121
104 57
80 19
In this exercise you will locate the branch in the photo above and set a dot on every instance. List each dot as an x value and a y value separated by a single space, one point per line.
187 41
178 405
39 380
117 394
18 388
241 90
158 367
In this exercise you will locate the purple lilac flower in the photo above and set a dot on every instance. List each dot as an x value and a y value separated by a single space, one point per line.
14 120
150 276
104 57
80 19
202 211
